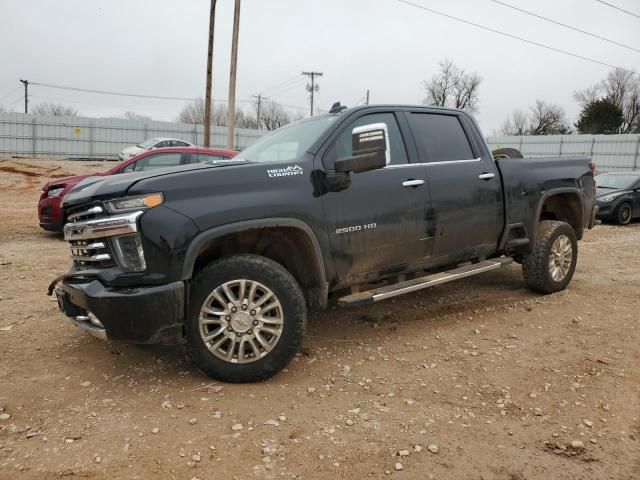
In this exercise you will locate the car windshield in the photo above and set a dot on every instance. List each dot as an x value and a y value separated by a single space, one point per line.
618 182
148 143
287 143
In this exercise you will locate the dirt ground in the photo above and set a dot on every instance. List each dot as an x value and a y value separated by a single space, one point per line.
479 379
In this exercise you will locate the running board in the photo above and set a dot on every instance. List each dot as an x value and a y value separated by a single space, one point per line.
390 291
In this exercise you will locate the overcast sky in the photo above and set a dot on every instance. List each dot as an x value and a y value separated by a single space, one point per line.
159 48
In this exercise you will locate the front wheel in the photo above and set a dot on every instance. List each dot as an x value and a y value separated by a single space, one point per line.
247 315
624 213
550 266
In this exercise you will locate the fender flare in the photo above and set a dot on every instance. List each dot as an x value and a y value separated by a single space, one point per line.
216 232
553 192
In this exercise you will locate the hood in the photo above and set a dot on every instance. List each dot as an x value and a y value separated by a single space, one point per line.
64 181
101 187
601 192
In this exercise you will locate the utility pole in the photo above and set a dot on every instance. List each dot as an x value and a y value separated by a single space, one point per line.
26 95
367 97
259 99
231 118
207 99
312 87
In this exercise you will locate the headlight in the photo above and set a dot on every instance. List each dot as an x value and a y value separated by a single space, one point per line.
609 198
139 202
54 192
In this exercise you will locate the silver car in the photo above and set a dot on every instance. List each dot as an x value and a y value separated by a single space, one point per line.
150 144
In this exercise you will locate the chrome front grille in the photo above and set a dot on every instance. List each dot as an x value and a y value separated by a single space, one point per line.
88 252
91 254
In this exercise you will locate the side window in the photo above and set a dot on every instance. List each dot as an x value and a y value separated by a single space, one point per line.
162 144
180 144
343 147
158 161
441 138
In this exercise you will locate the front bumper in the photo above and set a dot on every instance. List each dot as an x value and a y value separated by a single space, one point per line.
605 211
50 214
137 315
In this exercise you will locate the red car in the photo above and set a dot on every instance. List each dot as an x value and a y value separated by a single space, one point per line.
50 213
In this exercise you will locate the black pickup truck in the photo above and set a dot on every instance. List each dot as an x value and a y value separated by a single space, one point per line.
359 205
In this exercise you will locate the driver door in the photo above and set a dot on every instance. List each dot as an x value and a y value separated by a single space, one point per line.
380 221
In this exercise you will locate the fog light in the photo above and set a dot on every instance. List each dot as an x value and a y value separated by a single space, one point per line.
129 253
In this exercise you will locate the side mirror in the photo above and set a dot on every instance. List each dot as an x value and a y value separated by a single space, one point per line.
370 149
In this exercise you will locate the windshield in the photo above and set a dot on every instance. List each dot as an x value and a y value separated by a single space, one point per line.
148 143
287 143
618 182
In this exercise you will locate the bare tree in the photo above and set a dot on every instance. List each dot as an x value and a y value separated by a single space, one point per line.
54 109
543 119
548 119
622 87
193 112
129 115
273 115
516 124
452 86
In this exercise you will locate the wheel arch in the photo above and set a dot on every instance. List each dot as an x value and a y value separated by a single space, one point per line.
564 204
290 242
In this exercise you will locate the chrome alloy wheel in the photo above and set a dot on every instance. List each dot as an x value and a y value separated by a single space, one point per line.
560 258
241 321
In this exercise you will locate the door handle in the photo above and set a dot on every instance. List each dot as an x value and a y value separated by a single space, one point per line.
412 183
486 176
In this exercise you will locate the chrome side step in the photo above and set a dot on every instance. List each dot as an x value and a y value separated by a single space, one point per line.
390 291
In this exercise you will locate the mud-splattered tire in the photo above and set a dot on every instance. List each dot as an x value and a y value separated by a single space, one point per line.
550 267
247 315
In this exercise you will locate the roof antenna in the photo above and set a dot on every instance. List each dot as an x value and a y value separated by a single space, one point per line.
337 108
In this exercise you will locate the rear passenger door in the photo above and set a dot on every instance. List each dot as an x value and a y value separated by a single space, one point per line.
379 220
465 188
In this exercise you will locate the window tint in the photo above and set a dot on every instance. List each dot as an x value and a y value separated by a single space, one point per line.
344 144
441 138
158 161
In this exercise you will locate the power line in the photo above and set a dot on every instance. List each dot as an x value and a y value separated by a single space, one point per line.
281 90
277 85
106 92
618 8
565 25
10 93
542 45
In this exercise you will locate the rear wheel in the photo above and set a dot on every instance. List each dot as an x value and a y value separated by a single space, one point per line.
624 214
247 315
550 267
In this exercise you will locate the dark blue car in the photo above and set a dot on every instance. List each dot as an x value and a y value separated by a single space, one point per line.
618 196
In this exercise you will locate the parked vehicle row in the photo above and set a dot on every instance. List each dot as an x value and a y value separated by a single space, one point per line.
150 144
50 214
359 205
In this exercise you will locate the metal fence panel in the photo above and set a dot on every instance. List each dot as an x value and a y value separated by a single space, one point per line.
98 138
611 153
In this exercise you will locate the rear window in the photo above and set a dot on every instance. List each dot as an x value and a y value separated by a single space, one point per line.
441 138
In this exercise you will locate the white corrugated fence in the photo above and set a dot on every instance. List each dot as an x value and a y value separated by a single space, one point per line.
98 138
611 153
